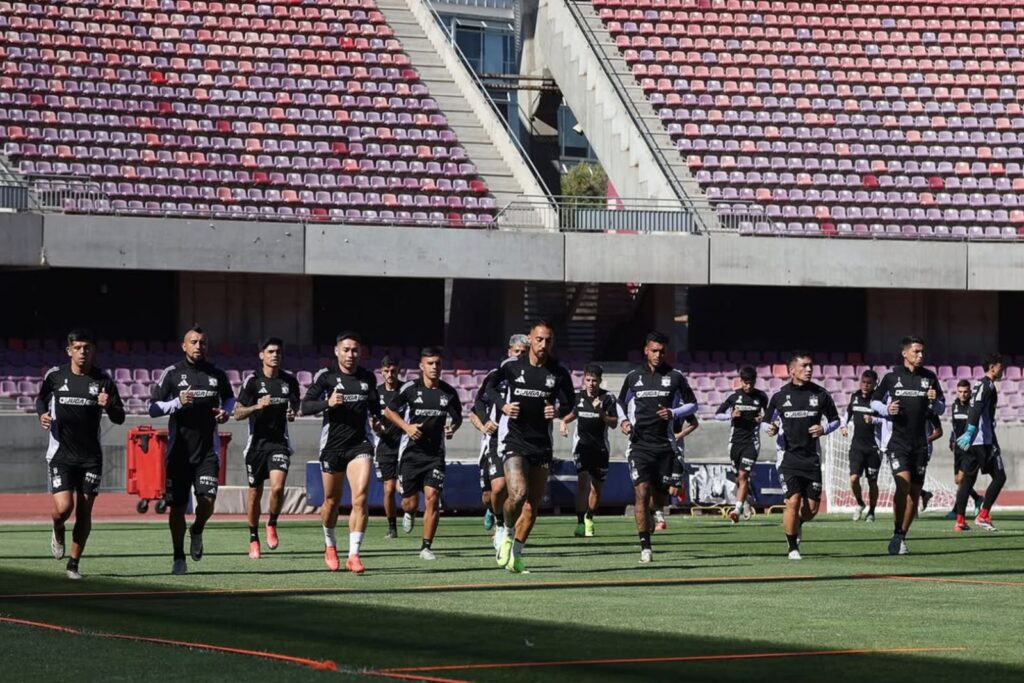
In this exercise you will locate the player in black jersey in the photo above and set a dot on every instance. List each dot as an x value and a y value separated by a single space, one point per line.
744 409
651 399
865 448
269 400
530 392
484 416
71 401
594 411
197 396
429 412
960 411
389 436
907 394
799 407
683 427
981 446
346 394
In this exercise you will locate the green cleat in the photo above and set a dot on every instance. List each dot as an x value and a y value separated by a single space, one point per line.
488 520
516 565
504 552
579 533
588 527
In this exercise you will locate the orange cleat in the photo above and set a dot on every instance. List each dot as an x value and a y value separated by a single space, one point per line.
660 526
331 558
354 565
254 550
272 541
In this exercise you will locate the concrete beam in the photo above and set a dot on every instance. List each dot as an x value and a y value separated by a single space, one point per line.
21 239
995 266
179 244
434 252
648 258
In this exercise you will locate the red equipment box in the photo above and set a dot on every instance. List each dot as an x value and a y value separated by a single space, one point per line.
147 465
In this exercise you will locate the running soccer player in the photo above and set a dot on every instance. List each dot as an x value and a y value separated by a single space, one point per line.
269 400
865 452
982 447
651 399
906 395
389 437
429 412
594 411
960 413
745 409
197 397
799 407
71 401
347 396
484 417
526 392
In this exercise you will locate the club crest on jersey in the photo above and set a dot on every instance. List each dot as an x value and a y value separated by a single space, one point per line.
813 400
666 381
94 389
65 387
284 389
926 384
444 401
364 386
549 381
213 381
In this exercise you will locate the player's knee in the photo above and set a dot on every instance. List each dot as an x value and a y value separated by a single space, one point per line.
409 504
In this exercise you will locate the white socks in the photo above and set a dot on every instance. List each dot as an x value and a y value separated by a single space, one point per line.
355 539
329 539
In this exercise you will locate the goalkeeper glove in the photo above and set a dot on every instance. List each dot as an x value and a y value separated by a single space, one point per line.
965 440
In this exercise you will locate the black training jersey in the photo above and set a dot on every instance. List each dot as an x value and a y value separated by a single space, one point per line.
347 424
910 388
533 388
391 436
961 413
866 435
268 428
591 429
430 408
644 392
984 399
72 402
800 408
484 408
192 429
745 428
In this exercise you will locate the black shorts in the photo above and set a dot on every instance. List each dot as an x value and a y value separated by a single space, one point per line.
985 459
658 468
183 476
805 483
913 460
385 463
958 460
337 461
259 464
865 461
593 461
81 478
533 458
743 456
491 465
415 475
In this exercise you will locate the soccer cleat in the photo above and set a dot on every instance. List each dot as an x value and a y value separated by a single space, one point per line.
659 521
748 510
734 516
392 533
272 539
951 514
646 556
894 544
427 554
331 558
57 545
195 546
499 534
795 555
580 530
978 501
408 521
870 518
254 550
179 568
904 550
961 526
516 565
355 565
985 522
588 527
858 512
504 551
488 520
74 575
926 496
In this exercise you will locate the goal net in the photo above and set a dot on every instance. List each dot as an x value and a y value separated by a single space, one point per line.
836 475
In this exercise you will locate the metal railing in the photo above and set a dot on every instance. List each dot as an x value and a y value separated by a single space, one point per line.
64 193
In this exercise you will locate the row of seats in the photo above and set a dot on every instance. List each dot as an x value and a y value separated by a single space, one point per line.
774 11
879 230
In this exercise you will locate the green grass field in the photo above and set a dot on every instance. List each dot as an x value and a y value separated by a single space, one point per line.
713 590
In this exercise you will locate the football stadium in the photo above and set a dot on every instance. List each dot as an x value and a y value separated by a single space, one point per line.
512 340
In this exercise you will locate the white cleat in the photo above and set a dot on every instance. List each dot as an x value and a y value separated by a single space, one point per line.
74 575
985 524
408 522
179 568
56 546
427 554
499 536
795 555
904 550
858 513
870 519
646 556
195 546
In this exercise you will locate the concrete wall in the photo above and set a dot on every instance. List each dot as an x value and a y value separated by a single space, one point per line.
21 239
668 259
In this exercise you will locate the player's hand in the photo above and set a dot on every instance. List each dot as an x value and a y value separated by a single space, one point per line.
414 433
664 413
511 409
894 408
264 402
736 414
772 429
220 415
103 399
549 411
815 431
679 436
291 414
45 420
626 427
490 428
845 432
335 399
967 438
563 428
186 398
449 431
870 419
932 394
